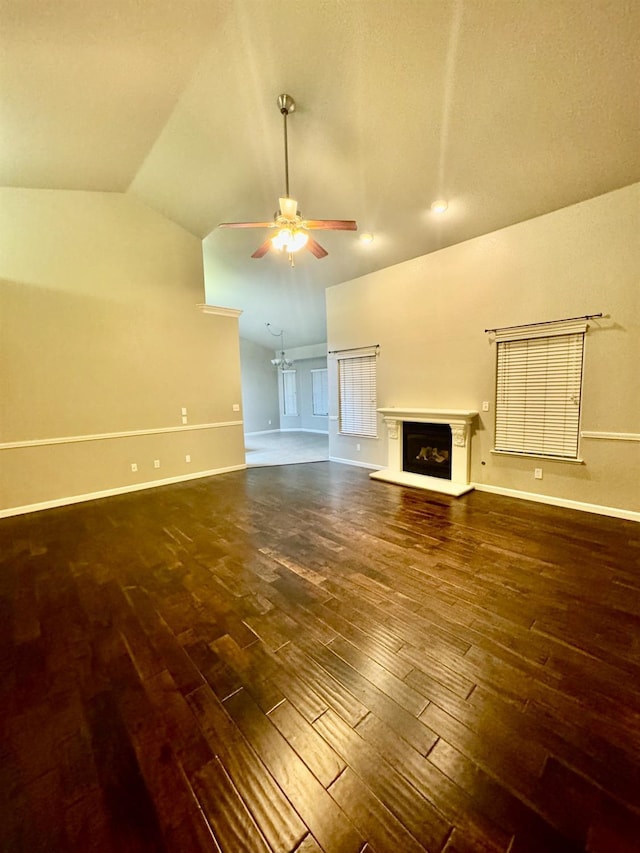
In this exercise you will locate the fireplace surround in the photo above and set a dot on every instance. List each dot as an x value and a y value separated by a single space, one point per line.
428 449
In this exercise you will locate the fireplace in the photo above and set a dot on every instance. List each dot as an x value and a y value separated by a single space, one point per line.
428 449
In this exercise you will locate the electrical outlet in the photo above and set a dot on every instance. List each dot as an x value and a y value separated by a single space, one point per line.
184 419
537 473
156 463
184 410
187 458
134 467
236 407
485 406
358 446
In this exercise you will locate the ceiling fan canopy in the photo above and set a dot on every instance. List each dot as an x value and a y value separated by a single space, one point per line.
292 229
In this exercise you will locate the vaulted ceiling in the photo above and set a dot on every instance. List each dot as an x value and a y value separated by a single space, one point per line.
507 109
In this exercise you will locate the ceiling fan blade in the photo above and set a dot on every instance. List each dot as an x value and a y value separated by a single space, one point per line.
246 225
331 224
315 248
262 250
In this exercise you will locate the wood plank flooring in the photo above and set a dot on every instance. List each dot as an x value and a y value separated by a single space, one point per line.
301 659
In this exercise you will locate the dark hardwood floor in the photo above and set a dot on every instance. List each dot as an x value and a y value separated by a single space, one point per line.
299 658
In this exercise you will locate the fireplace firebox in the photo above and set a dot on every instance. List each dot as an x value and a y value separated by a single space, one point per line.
426 449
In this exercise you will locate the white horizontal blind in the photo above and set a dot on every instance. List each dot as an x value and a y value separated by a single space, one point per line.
289 394
538 389
319 391
357 400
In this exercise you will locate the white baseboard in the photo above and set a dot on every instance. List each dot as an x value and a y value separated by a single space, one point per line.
287 429
614 512
120 490
303 429
356 464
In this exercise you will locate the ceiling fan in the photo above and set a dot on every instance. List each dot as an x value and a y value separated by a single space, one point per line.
293 229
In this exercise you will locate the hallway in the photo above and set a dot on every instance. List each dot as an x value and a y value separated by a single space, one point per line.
285 448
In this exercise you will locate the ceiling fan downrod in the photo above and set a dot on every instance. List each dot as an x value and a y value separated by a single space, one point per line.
286 105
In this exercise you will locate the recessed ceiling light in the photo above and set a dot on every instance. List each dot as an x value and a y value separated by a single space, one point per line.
439 206
366 238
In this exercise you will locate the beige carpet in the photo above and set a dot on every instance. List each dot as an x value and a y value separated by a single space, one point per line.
285 448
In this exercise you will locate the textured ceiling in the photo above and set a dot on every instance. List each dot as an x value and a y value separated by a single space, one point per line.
507 108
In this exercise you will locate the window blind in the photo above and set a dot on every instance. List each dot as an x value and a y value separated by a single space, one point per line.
357 399
289 394
538 391
319 392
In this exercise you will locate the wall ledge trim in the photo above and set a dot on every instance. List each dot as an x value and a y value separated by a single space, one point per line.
613 512
119 490
221 312
611 436
71 439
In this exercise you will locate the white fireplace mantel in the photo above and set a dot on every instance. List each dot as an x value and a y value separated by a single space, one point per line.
459 420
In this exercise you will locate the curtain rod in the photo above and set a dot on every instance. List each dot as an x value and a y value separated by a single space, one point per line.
545 323
352 349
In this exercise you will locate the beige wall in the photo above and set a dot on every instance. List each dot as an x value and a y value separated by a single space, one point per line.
429 316
100 334
259 388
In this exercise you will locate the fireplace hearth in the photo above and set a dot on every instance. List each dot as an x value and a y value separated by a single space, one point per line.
428 449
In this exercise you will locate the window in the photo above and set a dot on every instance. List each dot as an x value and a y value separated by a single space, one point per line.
357 396
538 389
319 392
289 394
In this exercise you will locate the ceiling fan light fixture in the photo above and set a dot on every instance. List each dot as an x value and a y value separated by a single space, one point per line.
281 239
298 241
290 240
